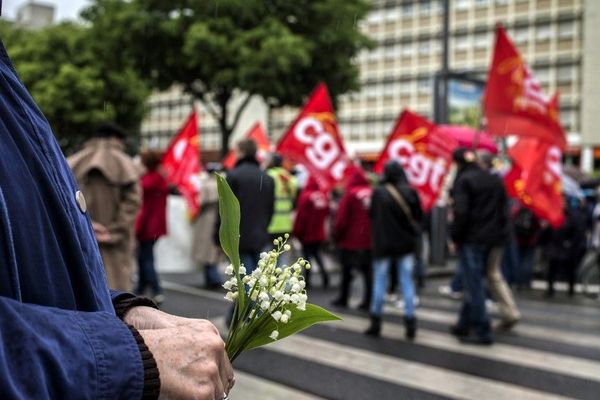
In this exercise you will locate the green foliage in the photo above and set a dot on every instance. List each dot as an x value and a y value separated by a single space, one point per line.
249 330
278 49
75 85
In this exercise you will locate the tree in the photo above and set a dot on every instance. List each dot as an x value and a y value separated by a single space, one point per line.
74 88
218 49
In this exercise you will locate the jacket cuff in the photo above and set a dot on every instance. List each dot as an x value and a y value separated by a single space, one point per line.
151 374
122 305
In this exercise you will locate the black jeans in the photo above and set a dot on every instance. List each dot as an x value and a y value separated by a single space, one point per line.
310 252
355 260
146 273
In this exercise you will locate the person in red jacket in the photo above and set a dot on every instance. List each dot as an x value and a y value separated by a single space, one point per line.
309 225
151 222
352 232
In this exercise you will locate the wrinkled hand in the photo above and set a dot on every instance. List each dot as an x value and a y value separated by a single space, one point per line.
189 353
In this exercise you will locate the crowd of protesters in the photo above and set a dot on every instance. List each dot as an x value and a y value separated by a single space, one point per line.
373 226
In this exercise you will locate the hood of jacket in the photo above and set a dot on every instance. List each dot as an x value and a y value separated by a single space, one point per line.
393 173
357 178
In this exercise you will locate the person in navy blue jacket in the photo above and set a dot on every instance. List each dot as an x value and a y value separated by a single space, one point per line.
63 333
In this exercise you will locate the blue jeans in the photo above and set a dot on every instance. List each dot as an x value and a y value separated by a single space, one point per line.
456 285
525 257
146 273
473 314
381 268
510 262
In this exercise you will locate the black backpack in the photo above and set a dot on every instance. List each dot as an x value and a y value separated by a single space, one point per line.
525 223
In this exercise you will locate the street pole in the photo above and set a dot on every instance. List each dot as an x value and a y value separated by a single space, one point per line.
437 237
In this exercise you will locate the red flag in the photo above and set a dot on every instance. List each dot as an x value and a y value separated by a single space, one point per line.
535 178
314 141
514 102
182 163
425 153
262 141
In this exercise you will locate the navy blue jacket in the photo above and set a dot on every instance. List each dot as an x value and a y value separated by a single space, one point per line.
59 335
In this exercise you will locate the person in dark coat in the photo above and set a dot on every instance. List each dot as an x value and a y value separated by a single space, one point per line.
481 222
255 190
352 232
63 333
151 222
394 237
309 225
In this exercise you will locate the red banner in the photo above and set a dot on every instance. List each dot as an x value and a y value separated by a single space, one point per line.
514 102
257 133
314 141
535 179
182 163
425 153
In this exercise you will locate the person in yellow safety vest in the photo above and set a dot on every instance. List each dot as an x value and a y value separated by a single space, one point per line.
286 190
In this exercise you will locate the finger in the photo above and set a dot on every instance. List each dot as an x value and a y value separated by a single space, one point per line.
220 388
227 375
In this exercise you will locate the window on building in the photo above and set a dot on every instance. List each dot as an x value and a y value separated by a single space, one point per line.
521 35
462 5
542 75
542 33
389 89
566 30
482 41
371 91
389 52
392 14
564 74
424 86
407 10
425 8
375 17
482 3
405 87
501 2
407 50
424 48
461 43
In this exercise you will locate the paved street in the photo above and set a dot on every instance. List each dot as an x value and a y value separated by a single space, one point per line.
553 354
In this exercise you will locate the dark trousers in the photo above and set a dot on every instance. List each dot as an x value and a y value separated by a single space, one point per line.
312 253
146 273
473 315
355 260
569 265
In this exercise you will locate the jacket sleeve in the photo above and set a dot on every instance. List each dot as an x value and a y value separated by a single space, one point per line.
300 220
461 211
340 222
128 208
48 352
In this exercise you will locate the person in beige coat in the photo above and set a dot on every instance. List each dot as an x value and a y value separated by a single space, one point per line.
205 253
109 180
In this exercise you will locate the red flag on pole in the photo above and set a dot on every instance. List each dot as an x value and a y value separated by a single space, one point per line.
257 133
424 152
182 162
313 140
514 102
535 179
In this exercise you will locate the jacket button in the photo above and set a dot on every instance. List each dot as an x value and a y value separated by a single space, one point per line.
81 201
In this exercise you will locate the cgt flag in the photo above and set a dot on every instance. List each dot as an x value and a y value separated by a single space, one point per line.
313 140
514 102
257 133
181 163
425 153
535 178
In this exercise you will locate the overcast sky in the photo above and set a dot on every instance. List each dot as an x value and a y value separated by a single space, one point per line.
65 9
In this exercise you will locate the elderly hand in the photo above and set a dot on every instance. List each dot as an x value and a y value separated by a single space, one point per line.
189 353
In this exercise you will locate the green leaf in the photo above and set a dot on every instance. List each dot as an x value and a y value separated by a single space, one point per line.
299 321
229 234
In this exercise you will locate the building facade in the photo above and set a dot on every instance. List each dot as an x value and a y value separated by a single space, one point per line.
398 73
35 15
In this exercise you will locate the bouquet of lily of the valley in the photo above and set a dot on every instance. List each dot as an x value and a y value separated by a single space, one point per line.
271 302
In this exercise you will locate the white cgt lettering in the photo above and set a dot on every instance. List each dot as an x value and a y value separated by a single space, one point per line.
323 150
420 170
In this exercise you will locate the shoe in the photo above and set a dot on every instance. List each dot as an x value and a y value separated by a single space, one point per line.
458 332
507 324
447 291
375 327
410 324
339 303
159 299
364 306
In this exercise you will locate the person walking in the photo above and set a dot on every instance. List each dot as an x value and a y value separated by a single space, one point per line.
255 190
109 180
352 232
151 223
309 226
396 216
205 253
481 214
